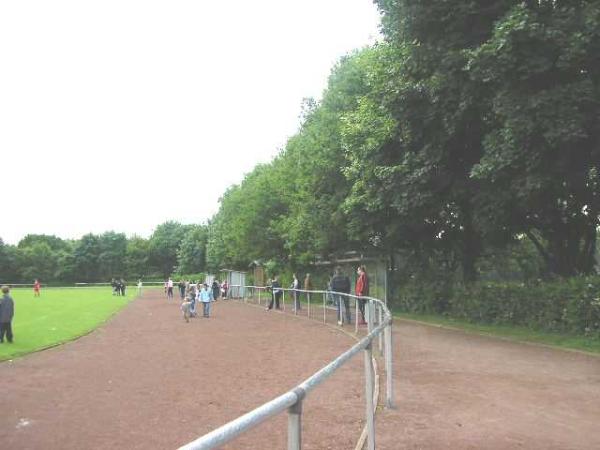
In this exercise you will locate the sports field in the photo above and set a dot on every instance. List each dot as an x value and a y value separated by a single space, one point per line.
58 315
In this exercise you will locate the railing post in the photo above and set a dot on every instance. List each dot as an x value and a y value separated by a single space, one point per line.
308 301
369 312
369 385
283 299
379 322
295 422
324 310
389 395
355 316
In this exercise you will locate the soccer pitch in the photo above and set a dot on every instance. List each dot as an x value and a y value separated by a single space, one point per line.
58 315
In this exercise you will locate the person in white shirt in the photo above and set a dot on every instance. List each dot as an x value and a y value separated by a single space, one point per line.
170 288
296 286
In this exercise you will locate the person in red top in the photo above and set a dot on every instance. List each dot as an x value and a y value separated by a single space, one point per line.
362 290
36 288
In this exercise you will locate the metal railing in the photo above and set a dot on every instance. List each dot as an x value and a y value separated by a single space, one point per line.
379 322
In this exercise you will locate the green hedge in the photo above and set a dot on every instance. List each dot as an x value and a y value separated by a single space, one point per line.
566 306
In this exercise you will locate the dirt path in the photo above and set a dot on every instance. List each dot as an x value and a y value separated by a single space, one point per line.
149 380
462 391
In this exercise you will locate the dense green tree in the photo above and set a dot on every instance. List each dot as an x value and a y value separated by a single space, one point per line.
111 259
542 157
136 257
9 269
191 255
55 243
37 261
164 244
313 163
245 228
86 256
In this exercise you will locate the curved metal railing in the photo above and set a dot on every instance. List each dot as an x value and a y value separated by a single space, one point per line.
379 321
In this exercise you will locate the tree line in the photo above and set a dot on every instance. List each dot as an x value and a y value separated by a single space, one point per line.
468 139
172 248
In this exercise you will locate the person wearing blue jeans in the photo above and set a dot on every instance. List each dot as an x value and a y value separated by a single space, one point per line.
340 284
206 297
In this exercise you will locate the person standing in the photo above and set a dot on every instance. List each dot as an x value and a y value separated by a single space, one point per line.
36 288
275 293
139 287
340 284
215 290
193 299
206 297
169 288
7 312
181 286
296 286
122 286
308 286
224 289
362 290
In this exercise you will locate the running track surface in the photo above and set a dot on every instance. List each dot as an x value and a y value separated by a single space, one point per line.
148 379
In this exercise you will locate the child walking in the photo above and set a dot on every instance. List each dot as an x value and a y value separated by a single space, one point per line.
187 305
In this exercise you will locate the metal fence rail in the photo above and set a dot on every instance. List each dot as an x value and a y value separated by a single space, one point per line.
379 320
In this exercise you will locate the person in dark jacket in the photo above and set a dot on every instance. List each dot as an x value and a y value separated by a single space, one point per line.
215 289
276 292
7 311
340 283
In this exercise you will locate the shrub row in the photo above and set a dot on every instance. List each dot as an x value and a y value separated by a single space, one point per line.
566 306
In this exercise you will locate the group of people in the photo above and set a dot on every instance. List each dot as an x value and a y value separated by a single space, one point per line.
218 289
194 294
338 285
274 286
118 286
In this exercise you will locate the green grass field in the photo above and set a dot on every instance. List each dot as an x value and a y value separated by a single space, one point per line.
58 315
515 333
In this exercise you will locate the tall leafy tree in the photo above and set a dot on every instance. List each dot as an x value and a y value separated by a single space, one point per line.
164 244
136 257
191 255
542 157
9 268
113 248
86 256
37 260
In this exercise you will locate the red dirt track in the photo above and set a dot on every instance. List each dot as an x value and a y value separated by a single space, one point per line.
148 379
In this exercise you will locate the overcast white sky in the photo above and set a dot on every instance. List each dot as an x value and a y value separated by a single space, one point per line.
120 115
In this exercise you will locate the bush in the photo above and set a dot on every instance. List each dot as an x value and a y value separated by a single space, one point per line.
566 306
